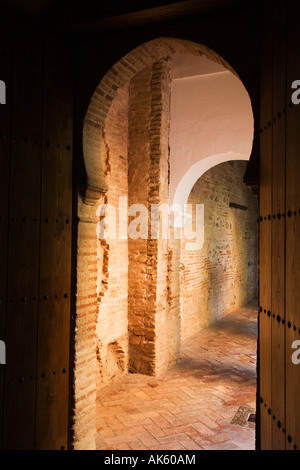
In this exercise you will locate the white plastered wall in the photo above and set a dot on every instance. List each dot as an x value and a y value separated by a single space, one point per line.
211 122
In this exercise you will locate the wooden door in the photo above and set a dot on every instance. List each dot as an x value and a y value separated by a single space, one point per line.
279 229
35 236
292 300
265 238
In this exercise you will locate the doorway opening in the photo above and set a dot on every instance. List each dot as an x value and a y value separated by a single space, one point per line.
222 276
130 314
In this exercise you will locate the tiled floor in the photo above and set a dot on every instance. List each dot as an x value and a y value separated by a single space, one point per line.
192 405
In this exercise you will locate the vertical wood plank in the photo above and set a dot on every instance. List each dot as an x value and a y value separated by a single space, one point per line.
23 246
265 252
278 225
292 232
5 116
55 262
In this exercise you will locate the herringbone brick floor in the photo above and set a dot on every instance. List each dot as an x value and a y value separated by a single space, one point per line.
192 405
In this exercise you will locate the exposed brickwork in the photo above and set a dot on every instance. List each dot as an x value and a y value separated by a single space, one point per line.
148 184
112 324
142 252
150 307
223 275
85 324
120 74
166 318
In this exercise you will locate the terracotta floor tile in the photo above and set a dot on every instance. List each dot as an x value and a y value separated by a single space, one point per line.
192 405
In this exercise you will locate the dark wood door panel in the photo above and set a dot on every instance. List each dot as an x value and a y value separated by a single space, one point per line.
55 259
23 243
293 231
35 236
278 225
5 129
265 251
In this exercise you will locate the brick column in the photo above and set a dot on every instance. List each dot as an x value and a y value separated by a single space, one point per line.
141 253
152 335
85 339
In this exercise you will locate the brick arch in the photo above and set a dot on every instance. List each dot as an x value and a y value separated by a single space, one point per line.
120 74
89 258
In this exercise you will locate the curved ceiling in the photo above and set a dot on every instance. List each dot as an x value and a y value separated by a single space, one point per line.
211 121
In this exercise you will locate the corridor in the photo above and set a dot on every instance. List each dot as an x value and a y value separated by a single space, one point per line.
203 403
